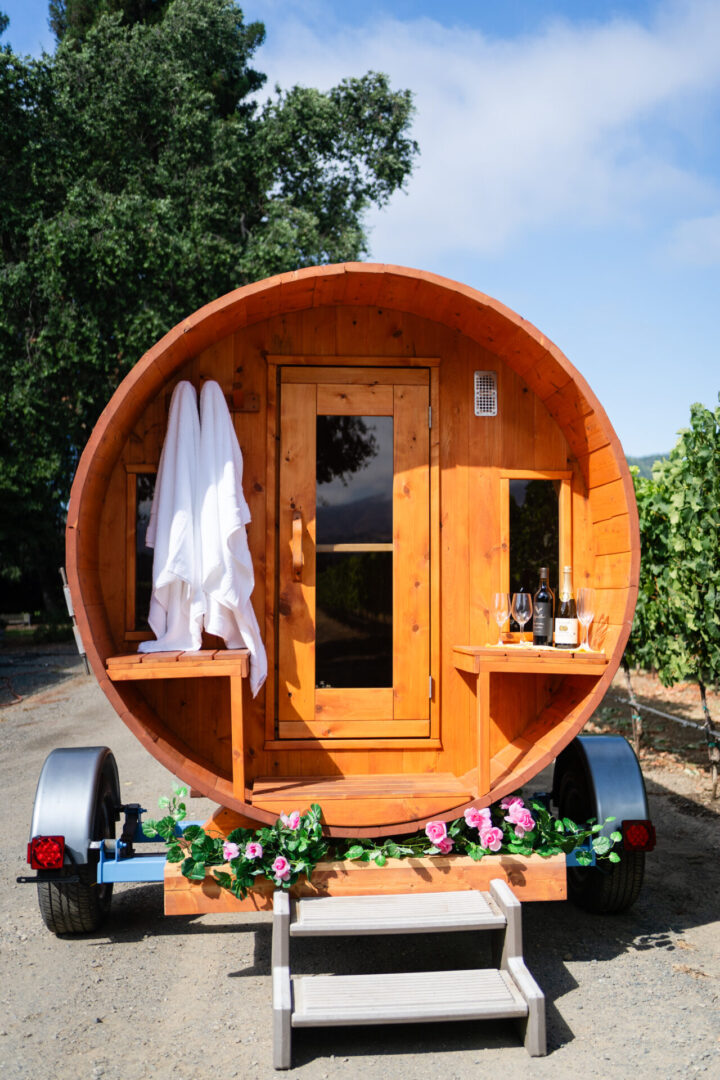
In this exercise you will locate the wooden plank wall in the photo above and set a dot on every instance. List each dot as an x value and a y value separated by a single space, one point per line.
472 451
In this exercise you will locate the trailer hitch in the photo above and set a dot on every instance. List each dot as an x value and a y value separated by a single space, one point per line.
133 817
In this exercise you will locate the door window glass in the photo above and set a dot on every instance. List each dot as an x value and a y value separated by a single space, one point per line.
353 613
354 479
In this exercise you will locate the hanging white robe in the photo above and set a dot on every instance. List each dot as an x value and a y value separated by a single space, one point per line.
177 603
227 571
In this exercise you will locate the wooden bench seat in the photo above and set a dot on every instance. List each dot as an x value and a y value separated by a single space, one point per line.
179 665
233 664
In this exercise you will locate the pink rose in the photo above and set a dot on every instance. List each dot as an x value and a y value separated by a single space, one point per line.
230 851
510 801
281 869
253 850
519 815
491 838
436 831
477 819
445 845
291 820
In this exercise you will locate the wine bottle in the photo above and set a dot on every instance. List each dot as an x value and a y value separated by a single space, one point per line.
543 611
566 623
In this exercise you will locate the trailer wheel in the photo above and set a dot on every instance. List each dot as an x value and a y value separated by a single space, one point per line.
609 888
80 907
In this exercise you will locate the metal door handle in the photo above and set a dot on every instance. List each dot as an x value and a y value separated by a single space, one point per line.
298 559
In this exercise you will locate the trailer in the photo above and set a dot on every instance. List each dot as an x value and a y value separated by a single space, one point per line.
410 448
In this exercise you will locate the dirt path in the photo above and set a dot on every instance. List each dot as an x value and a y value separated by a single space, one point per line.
180 998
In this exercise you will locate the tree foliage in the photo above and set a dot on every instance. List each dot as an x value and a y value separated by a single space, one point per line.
676 629
142 178
73 18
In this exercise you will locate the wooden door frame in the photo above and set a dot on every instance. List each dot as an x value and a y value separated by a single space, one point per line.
274 363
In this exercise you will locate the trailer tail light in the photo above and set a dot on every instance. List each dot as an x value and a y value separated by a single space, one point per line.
46 852
638 835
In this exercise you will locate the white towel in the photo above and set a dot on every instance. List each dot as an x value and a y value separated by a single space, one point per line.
227 570
176 604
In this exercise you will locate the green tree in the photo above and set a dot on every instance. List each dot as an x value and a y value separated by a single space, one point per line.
676 629
145 179
73 18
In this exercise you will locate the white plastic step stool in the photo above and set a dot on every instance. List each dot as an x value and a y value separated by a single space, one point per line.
507 990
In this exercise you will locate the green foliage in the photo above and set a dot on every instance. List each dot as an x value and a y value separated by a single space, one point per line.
297 841
676 629
73 18
644 464
141 179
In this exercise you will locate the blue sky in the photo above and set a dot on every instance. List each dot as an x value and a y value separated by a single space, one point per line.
570 167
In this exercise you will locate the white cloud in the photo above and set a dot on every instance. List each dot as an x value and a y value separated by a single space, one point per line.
576 125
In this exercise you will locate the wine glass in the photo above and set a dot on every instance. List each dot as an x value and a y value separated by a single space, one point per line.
521 610
586 614
501 607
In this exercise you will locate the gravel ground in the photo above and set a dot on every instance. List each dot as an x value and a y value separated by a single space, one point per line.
189 998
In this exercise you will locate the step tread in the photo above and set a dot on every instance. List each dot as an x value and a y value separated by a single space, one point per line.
411 913
327 1000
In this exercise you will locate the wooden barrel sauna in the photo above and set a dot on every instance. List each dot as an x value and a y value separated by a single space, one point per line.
396 427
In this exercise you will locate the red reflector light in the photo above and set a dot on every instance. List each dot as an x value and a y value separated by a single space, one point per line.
638 835
46 852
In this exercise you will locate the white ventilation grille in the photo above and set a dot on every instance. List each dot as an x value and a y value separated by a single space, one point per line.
486 393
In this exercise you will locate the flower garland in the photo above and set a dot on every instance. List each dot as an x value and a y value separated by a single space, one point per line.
294 845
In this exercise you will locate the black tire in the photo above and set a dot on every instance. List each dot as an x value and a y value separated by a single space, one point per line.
609 888
81 907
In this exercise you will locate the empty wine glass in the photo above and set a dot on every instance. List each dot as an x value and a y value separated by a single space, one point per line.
501 608
586 614
521 610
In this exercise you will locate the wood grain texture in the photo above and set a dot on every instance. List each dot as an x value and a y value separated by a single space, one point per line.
530 878
411 566
296 602
340 319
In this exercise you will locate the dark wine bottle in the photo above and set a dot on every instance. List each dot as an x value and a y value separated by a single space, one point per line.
566 623
543 611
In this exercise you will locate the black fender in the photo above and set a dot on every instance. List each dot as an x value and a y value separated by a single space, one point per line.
614 780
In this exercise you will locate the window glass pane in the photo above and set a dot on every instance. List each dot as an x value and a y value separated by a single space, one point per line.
353 604
144 489
534 534
354 479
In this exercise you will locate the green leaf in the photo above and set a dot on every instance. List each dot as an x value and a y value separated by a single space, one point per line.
379 859
602 845
192 832
355 852
614 857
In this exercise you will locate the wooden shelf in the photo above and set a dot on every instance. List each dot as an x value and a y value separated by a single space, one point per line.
527 659
203 664
486 660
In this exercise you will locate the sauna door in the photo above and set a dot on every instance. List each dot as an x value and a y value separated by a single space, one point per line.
354 554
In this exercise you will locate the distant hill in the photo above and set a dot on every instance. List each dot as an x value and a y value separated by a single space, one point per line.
645 464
